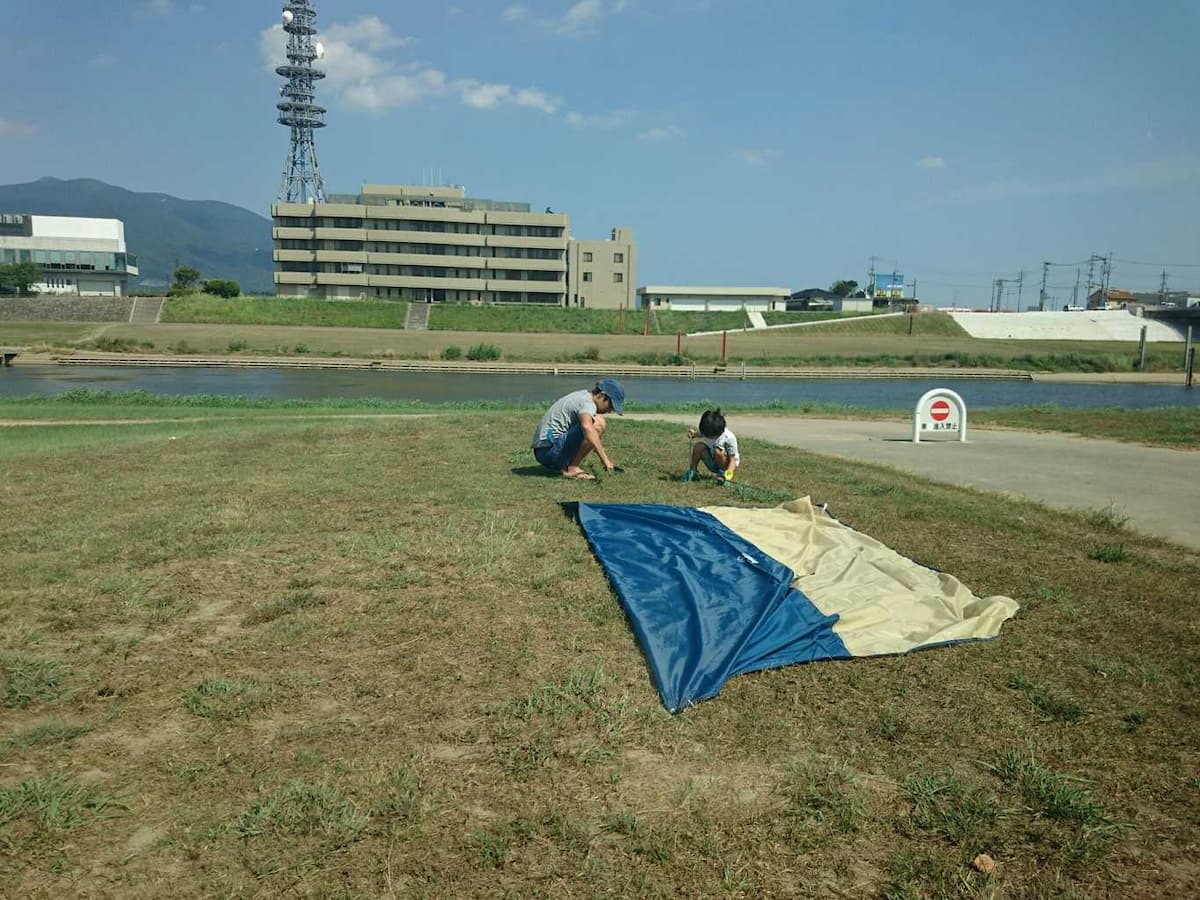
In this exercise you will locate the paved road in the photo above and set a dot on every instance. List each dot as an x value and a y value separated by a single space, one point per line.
1157 489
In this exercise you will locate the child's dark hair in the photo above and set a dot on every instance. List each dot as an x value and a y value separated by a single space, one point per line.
712 424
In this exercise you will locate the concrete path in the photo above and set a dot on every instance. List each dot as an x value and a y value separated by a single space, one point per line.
1157 489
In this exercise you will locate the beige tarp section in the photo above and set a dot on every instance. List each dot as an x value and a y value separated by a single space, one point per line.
885 602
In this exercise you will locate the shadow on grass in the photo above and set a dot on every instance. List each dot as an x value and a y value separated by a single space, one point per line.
535 472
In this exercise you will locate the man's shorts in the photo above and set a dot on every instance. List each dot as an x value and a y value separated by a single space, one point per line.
558 455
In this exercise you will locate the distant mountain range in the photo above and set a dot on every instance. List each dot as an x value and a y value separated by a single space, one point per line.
219 239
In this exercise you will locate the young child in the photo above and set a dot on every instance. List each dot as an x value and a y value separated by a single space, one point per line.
717 448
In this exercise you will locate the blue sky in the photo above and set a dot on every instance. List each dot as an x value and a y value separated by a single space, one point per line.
757 142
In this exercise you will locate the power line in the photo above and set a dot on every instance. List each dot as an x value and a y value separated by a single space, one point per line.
1134 262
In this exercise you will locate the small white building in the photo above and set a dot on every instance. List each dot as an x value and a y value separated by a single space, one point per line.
713 299
78 256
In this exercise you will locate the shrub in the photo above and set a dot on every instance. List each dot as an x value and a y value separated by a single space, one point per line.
222 287
452 352
483 352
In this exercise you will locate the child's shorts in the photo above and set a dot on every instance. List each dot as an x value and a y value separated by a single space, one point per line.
710 463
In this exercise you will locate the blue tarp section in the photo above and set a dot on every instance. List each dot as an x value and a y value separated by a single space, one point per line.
704 603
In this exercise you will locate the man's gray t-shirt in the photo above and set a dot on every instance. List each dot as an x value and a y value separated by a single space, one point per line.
561 416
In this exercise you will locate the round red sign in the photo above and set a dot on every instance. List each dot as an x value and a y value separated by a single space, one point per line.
939 410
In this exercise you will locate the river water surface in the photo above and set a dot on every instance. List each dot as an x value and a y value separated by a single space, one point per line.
452 387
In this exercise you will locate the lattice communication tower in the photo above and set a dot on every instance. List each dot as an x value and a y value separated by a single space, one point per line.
298 109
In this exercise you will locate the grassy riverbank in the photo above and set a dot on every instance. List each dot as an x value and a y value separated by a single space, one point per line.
877 343
1175 427
252 651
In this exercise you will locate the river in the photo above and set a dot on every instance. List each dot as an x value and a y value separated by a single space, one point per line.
456 387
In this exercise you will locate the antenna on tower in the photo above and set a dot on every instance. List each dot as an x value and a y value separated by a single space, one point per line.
298 110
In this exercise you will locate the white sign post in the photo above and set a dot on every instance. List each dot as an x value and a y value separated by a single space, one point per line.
940 411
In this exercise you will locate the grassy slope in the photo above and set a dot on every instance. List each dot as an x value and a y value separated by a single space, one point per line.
205 309
269 326
303 656
821 346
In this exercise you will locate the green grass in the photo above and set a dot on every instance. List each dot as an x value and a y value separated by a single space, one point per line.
1177 427
452 317
27 681
1171 426
206 309
298 655
54 804
935 341
793 318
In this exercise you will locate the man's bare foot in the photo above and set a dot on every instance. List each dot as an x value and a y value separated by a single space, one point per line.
576 472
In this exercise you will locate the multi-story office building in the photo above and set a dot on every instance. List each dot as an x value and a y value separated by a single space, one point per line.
86 257
603 274
417 243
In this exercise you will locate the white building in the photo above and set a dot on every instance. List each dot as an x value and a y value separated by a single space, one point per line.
713 299
83 257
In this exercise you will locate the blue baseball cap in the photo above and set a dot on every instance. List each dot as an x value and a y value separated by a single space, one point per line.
612 389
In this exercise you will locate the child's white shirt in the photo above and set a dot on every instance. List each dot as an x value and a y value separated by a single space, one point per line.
727 442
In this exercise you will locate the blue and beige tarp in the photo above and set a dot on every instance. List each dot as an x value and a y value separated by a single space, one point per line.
716 592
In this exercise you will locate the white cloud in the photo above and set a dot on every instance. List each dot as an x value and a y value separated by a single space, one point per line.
369 31
102 60
12 128
613 119
483 96
581 18
536 99
755 158
362 75
582 15
158 8
392 91
661 133
931 162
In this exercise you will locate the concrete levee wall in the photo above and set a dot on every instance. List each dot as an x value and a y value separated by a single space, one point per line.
49 308
1089 325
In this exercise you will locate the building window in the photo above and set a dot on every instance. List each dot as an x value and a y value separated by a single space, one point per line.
618 277
618 257
587 276
587 256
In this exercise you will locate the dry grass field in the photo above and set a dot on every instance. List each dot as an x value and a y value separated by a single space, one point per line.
316 653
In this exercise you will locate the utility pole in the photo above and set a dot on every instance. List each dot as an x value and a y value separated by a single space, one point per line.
1020 285
870 291
1042 295
1107 273
1162 289
1075 290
